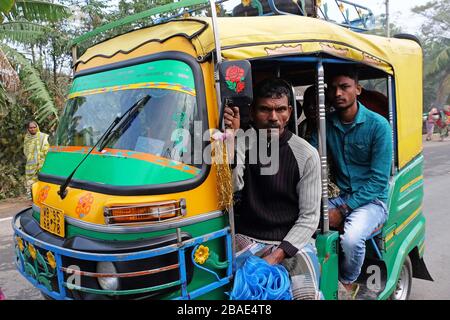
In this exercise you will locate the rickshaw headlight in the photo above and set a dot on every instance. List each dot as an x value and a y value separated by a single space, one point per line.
107 283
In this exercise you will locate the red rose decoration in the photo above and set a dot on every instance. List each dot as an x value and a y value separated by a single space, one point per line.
235 78
240 86
234 74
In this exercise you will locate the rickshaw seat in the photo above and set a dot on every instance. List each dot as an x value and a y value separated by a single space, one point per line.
375 101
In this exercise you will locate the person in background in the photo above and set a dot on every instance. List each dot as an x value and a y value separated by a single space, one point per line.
433 116
443 122
308 128
35 148
309 124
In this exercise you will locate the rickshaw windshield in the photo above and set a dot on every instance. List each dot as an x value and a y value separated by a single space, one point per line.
163 127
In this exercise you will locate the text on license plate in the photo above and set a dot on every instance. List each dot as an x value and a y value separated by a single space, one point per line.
52 220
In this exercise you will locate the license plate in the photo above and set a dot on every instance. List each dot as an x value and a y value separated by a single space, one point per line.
52 220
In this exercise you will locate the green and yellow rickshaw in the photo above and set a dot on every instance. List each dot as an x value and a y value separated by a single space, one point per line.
125 206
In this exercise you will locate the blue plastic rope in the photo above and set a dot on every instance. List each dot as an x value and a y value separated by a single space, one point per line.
258 280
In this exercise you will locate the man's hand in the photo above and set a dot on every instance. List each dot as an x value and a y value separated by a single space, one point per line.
275 257
232 118
335 217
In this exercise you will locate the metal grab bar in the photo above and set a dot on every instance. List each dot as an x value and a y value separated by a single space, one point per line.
58 270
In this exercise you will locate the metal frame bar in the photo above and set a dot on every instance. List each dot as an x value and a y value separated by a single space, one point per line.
345 18
374 243
322 135
392 122
275 10
119 275
348 23
178 247
217 43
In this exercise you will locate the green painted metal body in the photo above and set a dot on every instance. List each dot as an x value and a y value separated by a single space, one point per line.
114 170
402 233
405 228
327 252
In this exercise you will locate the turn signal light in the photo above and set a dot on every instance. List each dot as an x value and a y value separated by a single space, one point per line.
150 212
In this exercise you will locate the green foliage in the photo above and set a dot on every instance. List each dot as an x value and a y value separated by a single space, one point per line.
129 16
22 32
435 36
34 86
6 6
12 160
380 27
3 101
38 11
12 181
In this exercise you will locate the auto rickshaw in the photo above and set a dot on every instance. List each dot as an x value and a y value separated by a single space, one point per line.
124 207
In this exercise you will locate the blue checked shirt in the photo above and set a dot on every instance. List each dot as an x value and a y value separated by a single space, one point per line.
362 153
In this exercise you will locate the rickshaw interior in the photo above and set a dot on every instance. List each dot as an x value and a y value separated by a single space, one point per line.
300 72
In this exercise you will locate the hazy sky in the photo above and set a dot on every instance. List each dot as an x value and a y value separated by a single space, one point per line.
400 11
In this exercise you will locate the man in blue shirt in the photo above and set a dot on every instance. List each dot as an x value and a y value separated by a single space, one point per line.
360 143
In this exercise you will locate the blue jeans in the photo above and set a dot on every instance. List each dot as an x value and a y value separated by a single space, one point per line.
358 227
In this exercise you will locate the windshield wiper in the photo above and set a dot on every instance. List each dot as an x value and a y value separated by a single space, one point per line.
104 139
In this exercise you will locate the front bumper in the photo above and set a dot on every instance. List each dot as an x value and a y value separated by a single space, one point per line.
149 268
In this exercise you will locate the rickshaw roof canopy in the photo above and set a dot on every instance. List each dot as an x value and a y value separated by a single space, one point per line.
258 37
283 36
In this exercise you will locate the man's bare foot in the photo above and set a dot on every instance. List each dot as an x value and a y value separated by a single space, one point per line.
348 287
348 291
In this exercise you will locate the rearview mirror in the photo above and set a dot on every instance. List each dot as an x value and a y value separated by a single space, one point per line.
236 83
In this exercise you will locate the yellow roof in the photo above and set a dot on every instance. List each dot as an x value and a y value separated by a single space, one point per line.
255 37
258 37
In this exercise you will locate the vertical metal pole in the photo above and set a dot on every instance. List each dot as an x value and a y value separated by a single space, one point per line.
219 103
182 265
218 52
388 31
294 105
60 276
322 135
391 120
74 58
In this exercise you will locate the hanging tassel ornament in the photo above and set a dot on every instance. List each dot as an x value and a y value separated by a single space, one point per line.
220 162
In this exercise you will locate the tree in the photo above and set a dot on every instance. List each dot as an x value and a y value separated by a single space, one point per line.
26 22
436 44
23 93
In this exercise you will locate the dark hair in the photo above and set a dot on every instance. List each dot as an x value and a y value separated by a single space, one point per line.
310 95
272 88
343 70
30 122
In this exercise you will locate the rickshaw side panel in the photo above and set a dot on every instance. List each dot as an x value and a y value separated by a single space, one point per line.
405 228
327 251
407 64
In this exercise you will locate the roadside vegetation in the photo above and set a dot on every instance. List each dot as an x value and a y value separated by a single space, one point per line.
35 62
